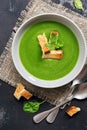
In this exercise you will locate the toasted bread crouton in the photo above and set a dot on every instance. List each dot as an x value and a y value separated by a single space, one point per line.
26 94
72 110
54 54
43 41
21 91
18 91
54 32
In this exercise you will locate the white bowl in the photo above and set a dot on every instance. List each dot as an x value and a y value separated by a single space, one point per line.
47 83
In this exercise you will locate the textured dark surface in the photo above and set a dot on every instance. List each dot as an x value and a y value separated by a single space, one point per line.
11 113
69 4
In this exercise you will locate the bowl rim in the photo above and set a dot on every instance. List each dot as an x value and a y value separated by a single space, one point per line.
39 82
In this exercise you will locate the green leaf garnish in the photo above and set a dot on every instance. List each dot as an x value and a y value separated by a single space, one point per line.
78 4
32 107
54 42
53 39
50 46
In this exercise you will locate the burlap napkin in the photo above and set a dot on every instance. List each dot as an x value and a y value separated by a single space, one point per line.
8 72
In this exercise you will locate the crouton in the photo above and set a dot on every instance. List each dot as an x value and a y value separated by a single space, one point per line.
72 110
54 32
54 54
21 92
43 41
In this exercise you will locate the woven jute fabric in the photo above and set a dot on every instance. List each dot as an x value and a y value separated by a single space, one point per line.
9 74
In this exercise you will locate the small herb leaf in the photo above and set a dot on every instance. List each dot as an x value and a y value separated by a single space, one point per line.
78 4
58 45
54 41
50 46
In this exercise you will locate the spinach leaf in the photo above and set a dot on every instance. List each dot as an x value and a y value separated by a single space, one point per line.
78 4
32 107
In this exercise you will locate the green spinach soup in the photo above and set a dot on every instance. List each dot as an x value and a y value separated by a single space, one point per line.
31 55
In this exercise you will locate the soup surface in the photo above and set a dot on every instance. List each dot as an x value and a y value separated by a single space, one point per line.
31 55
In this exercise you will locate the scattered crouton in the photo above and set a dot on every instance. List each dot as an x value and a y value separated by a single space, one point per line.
22 92
54 54
43 41
26 94
73 110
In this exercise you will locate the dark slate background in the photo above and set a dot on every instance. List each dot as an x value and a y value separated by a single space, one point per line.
12 116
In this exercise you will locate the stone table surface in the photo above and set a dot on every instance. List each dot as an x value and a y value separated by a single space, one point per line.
12 116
